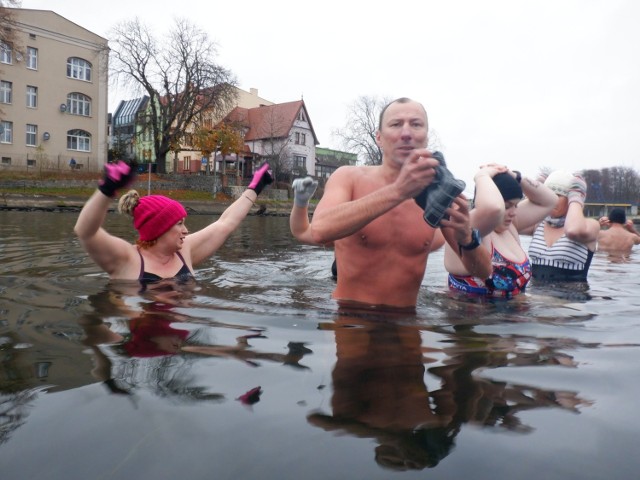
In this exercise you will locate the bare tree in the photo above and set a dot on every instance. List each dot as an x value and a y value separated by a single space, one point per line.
179 75
8 35
7 21
359 133
612 184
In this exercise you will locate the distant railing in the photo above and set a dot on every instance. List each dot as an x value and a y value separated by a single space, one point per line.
48 163
593 209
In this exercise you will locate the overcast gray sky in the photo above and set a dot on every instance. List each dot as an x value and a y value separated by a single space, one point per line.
553 83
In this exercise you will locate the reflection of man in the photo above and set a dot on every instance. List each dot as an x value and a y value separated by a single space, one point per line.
379 389
379 392
618 233
368 212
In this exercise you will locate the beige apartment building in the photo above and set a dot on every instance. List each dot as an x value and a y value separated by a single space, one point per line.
53 95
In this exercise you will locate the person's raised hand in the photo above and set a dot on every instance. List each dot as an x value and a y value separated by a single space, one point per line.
303 190
116 176
490 169
421 198
417 172
458 220
578 190
261 178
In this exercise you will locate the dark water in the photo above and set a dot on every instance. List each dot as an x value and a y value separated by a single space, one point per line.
543 386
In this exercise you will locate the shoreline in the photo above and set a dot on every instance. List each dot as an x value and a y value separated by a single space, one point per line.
62 203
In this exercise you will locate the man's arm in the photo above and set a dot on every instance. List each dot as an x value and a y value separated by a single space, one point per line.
457 231
630 227
339 215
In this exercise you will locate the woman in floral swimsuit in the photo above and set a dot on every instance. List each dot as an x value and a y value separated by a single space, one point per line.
500 215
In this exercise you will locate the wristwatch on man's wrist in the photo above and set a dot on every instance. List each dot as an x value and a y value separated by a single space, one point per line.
474 243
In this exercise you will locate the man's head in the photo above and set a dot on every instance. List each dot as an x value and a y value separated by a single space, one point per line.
403 127
617 215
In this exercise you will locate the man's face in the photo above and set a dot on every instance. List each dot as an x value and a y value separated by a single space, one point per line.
404 128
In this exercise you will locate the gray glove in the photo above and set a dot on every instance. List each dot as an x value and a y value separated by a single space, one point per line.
303 190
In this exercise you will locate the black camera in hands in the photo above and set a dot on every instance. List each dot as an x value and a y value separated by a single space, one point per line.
437 197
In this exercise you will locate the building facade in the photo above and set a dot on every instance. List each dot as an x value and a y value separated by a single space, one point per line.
329 160
188 159
125 125
53 94
281 134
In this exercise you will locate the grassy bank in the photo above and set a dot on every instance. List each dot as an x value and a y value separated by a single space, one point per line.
29 184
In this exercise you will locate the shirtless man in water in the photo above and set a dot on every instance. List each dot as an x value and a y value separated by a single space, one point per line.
620 236
369 214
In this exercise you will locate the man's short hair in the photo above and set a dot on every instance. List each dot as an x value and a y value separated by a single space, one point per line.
397 100
617 215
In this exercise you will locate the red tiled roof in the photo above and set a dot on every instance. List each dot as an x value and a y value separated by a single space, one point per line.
270 121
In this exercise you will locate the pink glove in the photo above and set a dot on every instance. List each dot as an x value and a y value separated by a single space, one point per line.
116 176
578 191
261 178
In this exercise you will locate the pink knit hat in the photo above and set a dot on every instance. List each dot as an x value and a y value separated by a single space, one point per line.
155 214
144 329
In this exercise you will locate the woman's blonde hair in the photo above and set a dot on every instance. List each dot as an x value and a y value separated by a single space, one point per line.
128 202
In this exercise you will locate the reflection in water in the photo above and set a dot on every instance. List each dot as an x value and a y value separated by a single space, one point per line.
156 347
379 388
175 367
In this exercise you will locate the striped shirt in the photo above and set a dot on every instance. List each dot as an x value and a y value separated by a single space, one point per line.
565 260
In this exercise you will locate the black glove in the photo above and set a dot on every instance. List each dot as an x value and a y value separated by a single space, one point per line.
261 178
439 196
421 198
116 175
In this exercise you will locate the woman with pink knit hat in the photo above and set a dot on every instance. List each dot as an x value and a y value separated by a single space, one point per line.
164 249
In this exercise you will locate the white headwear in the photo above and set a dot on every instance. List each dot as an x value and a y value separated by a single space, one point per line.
560 182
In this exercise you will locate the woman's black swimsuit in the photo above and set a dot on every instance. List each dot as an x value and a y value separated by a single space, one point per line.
145 277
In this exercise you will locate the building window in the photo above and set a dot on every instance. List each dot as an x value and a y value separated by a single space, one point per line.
6 54
32 58
32 96
301 116
79 69
324 171
32 135
31 162
6 132
299 161
186 163
79 140
6 160
303 139
5 91
297 138
78 104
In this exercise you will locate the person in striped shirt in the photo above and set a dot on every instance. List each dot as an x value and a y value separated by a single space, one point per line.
563 244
